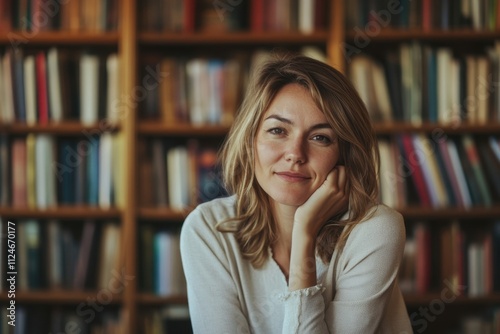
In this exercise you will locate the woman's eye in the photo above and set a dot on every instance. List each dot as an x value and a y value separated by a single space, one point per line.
276 131
322 139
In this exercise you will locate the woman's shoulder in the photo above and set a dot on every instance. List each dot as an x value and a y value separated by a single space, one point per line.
383 223
209 214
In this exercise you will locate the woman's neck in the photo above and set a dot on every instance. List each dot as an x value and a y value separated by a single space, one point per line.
283 216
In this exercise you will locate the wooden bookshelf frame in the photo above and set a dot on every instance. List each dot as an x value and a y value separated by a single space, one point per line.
128 41
60 38
233 38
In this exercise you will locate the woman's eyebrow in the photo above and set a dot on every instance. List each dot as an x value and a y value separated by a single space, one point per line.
288 121
279 118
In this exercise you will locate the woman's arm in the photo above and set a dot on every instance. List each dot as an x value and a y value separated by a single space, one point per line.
327 201
213 302
367 298
304 304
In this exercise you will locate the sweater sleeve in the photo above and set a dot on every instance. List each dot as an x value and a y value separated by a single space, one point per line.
304 311
367 275
213 301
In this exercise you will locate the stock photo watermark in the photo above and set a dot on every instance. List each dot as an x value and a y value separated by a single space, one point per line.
224 6
363 36
426 314
38 20
87 310
11 273
74 158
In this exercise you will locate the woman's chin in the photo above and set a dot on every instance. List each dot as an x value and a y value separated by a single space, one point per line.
290 200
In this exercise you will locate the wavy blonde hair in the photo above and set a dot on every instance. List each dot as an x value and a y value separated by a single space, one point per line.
335 96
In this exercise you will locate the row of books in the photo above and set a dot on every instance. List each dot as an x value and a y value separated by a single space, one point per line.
223 16
38 87
74 15
424 14
484 323
55 320
167 15
438 171
198 91
160 262
419 83
54 255
461 258
36 171
178 175
305 16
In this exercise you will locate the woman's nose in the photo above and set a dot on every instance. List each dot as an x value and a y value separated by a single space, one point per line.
296 152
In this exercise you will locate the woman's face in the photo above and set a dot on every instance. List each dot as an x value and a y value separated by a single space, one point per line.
296 148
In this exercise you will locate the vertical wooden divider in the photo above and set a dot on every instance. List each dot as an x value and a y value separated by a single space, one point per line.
128 71
336 35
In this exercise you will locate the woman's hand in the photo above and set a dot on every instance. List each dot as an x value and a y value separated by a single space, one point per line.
328 200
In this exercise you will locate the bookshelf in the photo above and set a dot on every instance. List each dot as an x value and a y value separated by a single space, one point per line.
445 239
137 48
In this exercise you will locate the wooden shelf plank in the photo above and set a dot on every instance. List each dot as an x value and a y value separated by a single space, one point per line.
155 300
450 213
234 38
163 214
72 128
403 127
398 35
150 128
57 297
21 38
426 299
61 212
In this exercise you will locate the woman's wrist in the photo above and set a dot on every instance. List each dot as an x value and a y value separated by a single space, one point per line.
302 262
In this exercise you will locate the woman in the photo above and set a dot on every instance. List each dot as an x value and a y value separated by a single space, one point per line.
301 246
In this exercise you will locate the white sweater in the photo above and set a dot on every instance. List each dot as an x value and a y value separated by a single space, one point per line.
227 295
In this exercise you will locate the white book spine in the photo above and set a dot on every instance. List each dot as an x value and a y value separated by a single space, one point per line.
443 57
54 85
112 112
196 69
89 89
8 89
30 90
178 184
306 15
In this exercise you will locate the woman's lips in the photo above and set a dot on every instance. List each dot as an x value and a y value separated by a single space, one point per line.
292 176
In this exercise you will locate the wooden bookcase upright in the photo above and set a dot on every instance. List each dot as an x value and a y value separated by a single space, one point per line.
131 43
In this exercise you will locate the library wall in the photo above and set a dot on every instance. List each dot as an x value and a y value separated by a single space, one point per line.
112 112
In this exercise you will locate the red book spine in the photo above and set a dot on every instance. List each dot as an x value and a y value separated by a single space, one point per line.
416 171
320 13
189 13
5 15
41 85
257 18
423 240
426 15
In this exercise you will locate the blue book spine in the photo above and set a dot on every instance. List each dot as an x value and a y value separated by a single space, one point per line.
432 86
93 173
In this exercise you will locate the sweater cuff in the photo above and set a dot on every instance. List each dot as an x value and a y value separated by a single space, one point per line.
310 291
304 309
